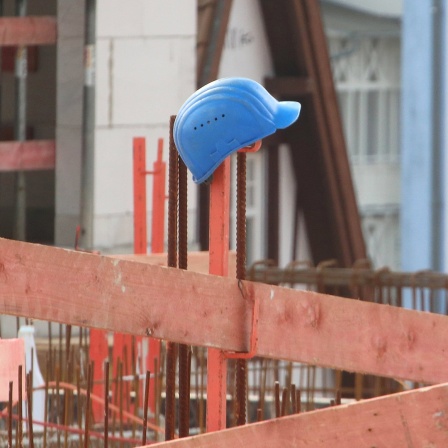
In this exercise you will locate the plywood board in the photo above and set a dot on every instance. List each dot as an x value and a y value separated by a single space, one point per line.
418 418
12 355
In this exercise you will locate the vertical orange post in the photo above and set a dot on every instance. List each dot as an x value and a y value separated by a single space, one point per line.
219 265
157 233
158 202
98 353
123 342
140 233
157 246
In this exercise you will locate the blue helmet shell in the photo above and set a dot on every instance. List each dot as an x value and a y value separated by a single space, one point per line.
224 116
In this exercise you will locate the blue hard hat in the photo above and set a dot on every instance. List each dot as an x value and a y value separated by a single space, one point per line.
224 116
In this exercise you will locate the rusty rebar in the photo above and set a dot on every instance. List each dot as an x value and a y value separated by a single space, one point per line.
293 399
184 373
171 348
170 395
241 364
29 392
20 428
11 385
173 182
87 412
277 398
79 407
67 402
338 399
120 399
285 401
106 404
145 407
58 407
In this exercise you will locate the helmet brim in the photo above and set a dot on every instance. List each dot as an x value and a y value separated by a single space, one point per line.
287 113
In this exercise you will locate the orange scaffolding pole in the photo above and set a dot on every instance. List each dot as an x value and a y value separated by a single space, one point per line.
219 261
150 345
158 202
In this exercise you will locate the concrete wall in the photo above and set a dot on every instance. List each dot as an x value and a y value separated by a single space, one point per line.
145 70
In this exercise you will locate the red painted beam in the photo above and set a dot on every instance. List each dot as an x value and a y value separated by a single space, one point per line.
40 30
418 418
27 155
219 265
48 283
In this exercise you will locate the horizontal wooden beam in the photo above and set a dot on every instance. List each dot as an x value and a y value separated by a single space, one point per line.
12 354
40 30
27 155
289 86
417 418
48 283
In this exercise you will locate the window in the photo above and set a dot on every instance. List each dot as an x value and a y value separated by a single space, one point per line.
366 74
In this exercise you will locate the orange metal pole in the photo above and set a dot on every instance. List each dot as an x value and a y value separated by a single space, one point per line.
140 247
158 202
98 352
140 236
157 246
219 259
140 233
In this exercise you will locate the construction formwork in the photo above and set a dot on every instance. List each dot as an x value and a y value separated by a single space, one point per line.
293 325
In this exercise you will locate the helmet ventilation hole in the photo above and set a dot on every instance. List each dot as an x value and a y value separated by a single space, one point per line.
208 122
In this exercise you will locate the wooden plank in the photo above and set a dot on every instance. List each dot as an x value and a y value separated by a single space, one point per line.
48 283
197 261
40 30
12 354
27 155
417 418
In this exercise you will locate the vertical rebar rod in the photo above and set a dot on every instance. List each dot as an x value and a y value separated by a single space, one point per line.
285 401
156 394
241 364
120 400
58 406
293 399
21 74
68 338
277 398
171 348
11 385
145 407
184 374
202 386
106 404
67 400
20 404
29 388
87 412
79 407
47 379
